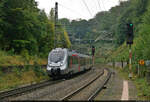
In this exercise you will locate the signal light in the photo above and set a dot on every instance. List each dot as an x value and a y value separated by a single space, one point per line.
131 24
130 33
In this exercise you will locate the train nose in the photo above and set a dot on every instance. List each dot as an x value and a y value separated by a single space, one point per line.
55 71
58 71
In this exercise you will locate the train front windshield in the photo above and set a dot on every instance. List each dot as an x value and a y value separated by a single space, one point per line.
56 56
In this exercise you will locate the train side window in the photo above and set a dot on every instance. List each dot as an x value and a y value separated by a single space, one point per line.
70 61
76 59
82 61
73 60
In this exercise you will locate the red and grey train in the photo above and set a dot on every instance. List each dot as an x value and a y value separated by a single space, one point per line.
62 62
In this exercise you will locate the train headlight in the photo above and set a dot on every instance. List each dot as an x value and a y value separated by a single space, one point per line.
61 64
48 68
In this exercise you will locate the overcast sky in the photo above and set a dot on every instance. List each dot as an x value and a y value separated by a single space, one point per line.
75 9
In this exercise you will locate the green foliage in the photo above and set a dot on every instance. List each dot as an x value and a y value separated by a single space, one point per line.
1 73
26 68
17 71
143 88
24 26
39 71
138 12
25 54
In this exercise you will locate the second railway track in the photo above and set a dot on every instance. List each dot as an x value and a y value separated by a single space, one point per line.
79 94
28 88
54 91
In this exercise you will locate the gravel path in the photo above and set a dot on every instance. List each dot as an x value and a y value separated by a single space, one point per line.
57 91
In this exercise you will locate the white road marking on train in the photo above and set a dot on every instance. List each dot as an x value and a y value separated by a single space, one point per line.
125 92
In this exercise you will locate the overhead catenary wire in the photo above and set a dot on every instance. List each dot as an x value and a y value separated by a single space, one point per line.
99 5
87 7
71 10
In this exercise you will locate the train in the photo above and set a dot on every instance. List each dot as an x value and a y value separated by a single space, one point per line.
64 62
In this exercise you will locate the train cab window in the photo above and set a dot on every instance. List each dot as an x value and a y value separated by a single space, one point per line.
56 56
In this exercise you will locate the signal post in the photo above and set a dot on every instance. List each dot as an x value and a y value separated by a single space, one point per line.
93 53
130 37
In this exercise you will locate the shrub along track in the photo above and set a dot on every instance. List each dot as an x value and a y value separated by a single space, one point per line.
8 69
59 90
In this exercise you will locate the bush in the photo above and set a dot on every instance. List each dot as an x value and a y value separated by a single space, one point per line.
25 54
11 52
17 71
143 88
26 68
38 70
1 73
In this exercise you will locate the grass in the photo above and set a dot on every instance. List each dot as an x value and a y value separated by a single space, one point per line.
99 60
143 89
20 77
15 79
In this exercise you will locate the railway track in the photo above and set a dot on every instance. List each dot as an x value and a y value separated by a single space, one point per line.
31 88
92 96
28 88
101 87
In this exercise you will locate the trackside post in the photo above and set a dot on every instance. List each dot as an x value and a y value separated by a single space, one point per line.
93 53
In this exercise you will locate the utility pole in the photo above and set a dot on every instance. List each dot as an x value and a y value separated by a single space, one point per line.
56 21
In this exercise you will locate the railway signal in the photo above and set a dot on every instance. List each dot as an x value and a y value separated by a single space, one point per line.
93 50
130 37
130 34
93 53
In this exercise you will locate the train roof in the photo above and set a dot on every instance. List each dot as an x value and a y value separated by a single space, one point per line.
78 54
71 52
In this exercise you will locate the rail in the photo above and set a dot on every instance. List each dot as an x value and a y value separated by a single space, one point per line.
101 87
82 87
27 88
